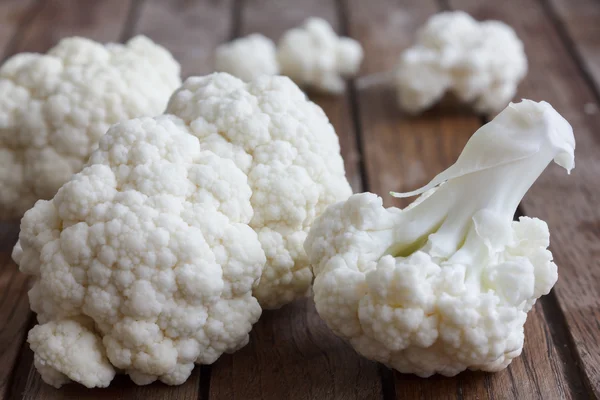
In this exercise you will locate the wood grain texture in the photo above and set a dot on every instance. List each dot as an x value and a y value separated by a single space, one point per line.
578 20
14 307
569 204
292 354
403 153
190 29
13 14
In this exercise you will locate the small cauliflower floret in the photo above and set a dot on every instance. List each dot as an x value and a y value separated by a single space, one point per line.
247 58
55 107
446 283
314 55
480 62
291 155
143 262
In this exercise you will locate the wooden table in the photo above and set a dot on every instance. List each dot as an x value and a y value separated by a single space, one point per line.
292 354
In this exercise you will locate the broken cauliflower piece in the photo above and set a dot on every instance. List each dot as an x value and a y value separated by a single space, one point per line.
446 283
247 58
481 63
313 55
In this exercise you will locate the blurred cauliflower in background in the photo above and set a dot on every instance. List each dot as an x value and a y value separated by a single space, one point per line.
480 62
55 107
313 55
247 58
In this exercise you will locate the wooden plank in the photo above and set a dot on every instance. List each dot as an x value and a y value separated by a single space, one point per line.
403 153
190 29
569 204
578 21
13 14
292 354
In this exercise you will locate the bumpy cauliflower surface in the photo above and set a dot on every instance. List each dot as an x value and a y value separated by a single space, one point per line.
446 283
144 261
313 55
247 58
480 62
291 155
55 107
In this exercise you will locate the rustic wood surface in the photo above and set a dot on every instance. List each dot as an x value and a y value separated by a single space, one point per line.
291 354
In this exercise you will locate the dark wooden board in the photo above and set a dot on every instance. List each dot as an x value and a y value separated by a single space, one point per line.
569 204
403 153
292 354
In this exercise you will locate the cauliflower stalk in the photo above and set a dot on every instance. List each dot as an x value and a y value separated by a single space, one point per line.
146 261
480 62
446 283
55 107
313 55
247 58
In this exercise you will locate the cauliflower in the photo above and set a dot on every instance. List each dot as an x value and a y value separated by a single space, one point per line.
291 155
143 262
248 57
55 107
313 55
480 62
446 283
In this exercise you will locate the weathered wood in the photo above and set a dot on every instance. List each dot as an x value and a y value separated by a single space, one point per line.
292 354
578 23
13 14
568 203
403 153
190 29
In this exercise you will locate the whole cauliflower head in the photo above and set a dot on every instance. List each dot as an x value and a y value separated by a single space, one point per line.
314 55
143 262
480 62
247 58
291 155
55 107
446 283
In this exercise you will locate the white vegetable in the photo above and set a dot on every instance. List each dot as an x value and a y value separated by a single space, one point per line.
247 58
446 283
151 253
145 255
480 62
291 154
313 55
55 107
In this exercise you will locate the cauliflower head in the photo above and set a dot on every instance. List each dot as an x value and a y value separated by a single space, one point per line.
247 58
143 262
446 283
55 107
480 62
313 55
291 155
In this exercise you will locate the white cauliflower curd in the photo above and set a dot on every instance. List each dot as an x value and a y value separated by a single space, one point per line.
446 283
145 261
291 155
313 55
480 62
247 58
54 108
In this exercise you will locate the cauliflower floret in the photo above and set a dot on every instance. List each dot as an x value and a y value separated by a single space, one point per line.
150 243
55 107
480 62
247 58
291 155
313 55
446 283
